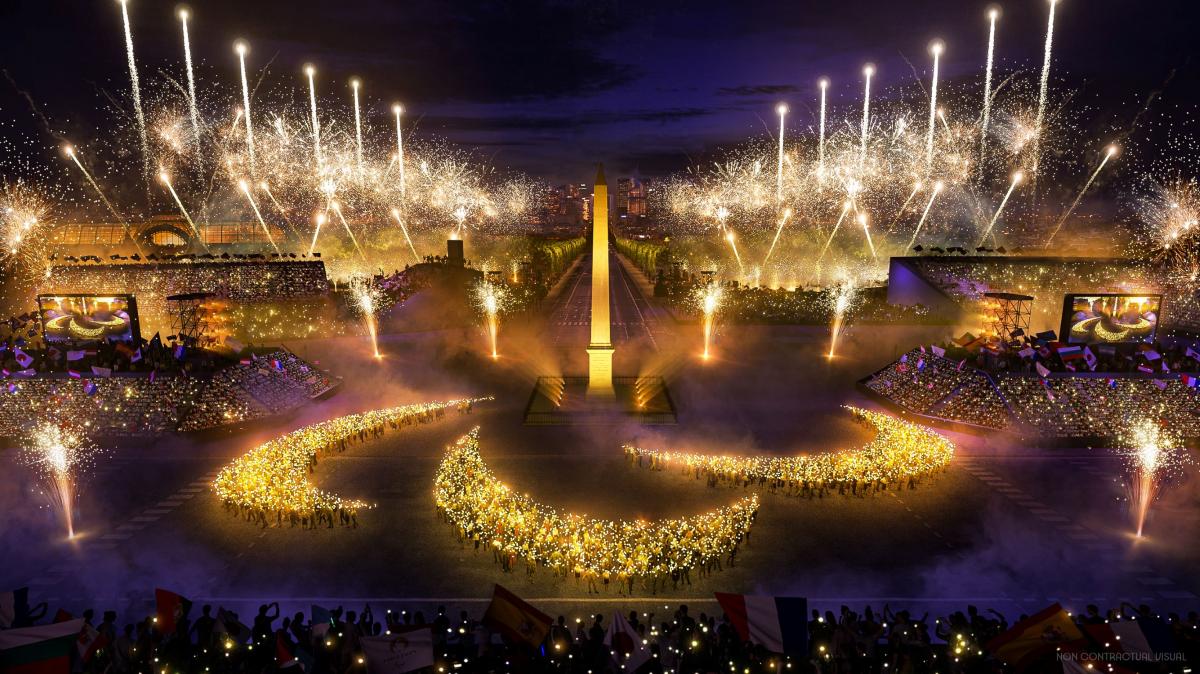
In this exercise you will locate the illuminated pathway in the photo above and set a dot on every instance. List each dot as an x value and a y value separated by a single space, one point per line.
634 319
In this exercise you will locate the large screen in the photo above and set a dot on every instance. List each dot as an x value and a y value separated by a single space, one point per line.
80 319
1110 318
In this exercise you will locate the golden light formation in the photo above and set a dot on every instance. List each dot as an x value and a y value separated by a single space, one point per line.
484 509
900 453
273 477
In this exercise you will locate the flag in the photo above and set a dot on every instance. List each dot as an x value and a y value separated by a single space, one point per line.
904 358
102 371
25 373
400 651
153 374
1046 388
625 644
1191 353
228 624
961 363
234 345
171 607
515 618
1147 637
123 349
179 351
1188 380
1161 384
283 653
779 624
137 355
1151 354
277 365
1026 353
76 355
89 642
1112 383
938 351
1048 335
1042 370
89 387
1034 637
45 649
321 621
23 359
1089 357
921 365
14 606
73 374
1146 368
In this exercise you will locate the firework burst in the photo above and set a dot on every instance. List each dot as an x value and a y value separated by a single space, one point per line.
1153 457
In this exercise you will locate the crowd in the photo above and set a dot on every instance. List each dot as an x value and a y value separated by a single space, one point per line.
488 514
681 640
1083 405
746 304
125 404
269 484
900 455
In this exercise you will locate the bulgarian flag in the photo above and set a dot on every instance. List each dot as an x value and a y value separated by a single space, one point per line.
45 649
779 624
171 607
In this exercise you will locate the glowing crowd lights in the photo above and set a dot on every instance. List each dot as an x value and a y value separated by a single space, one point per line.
900 453
273 477
514 526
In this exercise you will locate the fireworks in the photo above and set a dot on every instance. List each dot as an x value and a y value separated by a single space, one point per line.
492 300
59 455
709 299
484 509
1109 153
366 301
241 48
1154 456
901 452
842 299
273 477
935 49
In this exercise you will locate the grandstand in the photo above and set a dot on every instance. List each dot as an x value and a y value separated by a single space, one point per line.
1062 407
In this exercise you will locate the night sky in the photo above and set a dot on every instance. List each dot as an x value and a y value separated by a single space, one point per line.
549 87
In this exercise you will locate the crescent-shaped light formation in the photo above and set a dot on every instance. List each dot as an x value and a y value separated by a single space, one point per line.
485 509
901 452
273 477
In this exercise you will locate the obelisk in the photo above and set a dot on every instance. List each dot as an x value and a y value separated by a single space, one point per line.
600 349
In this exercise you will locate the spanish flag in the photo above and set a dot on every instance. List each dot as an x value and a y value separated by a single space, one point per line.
1034 637
516 619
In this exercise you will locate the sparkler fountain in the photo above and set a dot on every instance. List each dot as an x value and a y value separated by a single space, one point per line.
491 298
710 302
842 298
59 455
366 300
1153 456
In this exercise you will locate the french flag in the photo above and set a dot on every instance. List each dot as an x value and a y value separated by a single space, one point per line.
778 624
